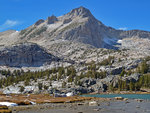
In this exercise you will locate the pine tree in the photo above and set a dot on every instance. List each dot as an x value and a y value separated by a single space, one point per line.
144 67
22 89
131 86
122 73
111 88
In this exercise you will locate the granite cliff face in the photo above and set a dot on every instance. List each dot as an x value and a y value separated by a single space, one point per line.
79 26
25 55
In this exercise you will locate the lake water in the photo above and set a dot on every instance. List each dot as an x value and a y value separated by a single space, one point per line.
130 96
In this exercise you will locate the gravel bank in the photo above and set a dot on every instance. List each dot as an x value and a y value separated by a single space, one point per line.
112 106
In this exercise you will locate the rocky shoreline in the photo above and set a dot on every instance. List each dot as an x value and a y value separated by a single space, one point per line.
44 103
88 106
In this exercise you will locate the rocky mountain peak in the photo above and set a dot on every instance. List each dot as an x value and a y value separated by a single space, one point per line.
81 11
77 26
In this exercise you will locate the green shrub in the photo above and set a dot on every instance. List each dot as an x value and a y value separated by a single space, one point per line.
40 86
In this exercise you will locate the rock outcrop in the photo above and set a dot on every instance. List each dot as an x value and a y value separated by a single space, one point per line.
52 19
26 54
39 22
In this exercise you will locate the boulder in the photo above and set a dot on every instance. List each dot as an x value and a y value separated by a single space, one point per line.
125 99
116 70
11 89
31 89
80 90
133 77
99 87
139 100
108 79
93 103
119 98
133 64
86 82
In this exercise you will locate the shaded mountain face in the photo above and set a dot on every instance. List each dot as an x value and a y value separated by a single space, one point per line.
26 54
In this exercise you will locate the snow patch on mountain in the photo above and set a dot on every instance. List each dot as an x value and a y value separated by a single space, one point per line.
119 41
112 41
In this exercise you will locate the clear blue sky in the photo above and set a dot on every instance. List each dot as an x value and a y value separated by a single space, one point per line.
124 14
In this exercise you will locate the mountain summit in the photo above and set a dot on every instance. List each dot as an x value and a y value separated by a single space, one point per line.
78 26
81 11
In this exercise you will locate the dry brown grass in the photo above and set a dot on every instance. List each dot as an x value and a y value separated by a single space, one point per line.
40 98
4 109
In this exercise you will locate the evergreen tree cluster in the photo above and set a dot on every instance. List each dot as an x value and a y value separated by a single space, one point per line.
54 74
143 82
69 73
